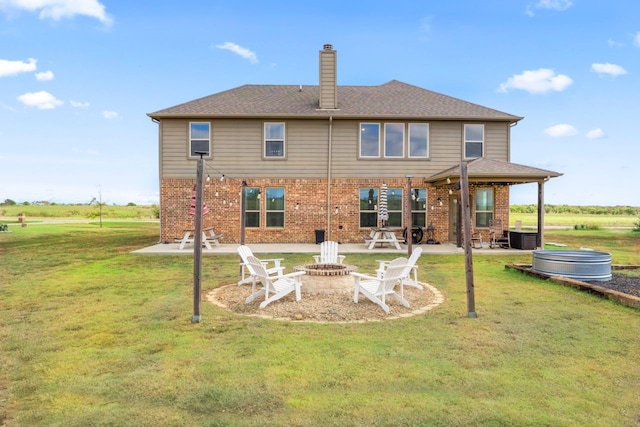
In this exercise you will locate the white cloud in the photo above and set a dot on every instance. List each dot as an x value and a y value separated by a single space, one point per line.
45 76
537 81
58 9
636 39
41 100
613 43
11 68
606 68
554 4
79 104
595 134
561 130
109 115
239 50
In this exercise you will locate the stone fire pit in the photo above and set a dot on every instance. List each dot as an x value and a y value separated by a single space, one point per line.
326 278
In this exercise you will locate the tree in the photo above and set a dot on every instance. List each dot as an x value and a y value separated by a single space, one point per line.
9 202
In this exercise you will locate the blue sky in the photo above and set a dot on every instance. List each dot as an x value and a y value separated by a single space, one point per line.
77 78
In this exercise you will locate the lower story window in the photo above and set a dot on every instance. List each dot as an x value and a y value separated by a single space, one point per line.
275 207
368 207
419 207
394 204
484 207
252 207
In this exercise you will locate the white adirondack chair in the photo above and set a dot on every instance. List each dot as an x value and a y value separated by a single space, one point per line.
407 278
378 288
247 272
328 254
276 286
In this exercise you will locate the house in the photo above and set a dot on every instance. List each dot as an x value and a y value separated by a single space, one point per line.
315 158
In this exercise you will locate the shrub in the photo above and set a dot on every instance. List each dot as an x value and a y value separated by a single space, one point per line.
587 227
155 211
636 225
4 227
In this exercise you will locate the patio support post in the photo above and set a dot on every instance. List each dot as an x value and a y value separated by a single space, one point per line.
243 209
540 235
466 222
197 242
409 218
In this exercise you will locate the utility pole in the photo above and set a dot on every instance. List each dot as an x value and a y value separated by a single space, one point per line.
197 242
466 222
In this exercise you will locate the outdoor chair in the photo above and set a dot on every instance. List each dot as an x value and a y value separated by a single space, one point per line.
476 239
411 266
247 271
273 287
376 289
328 254
499 237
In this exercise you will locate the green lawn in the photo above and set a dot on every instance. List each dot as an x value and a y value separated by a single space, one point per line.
91 335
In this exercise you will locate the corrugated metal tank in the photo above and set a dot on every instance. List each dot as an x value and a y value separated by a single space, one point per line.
588 266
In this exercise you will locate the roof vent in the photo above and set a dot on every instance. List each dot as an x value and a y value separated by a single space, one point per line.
328 46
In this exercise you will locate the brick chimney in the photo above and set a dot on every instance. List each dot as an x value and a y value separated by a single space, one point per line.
328 78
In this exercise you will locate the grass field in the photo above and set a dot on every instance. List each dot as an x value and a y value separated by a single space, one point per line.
91 335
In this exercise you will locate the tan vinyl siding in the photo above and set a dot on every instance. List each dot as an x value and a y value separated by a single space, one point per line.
496 136
237 146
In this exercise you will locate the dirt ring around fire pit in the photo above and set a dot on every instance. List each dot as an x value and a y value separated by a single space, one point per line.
329 307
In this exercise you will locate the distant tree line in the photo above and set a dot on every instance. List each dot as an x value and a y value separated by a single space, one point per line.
583 210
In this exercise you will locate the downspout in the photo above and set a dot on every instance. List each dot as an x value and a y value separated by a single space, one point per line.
329 160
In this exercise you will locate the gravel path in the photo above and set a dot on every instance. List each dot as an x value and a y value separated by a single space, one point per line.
338 307
625 283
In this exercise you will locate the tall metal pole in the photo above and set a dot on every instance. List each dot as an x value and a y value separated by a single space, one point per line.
409 218
466 219
197 243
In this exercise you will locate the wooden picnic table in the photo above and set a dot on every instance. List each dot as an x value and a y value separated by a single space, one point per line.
208 235
382 236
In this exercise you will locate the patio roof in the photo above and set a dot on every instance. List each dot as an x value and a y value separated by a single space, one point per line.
494 171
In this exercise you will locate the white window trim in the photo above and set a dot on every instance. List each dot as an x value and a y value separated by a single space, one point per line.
464 137
409 140
265 140
384 139
360 155
208 156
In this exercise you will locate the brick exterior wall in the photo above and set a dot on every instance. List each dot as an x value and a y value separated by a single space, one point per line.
306 209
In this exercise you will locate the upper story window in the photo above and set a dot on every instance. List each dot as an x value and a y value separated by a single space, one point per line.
369 140
199 139
394 139
473 141
418 140
275 207
484 207
274 142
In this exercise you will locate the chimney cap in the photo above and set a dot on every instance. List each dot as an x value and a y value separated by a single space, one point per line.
328 46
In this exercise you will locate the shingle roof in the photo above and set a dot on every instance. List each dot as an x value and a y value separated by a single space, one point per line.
491 170
392 99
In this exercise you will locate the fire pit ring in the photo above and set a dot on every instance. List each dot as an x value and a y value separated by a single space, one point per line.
326 278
